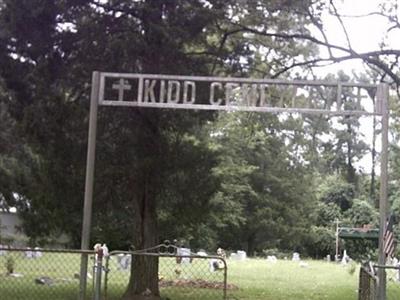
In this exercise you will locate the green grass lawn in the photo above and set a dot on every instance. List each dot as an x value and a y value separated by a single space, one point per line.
258 279
255 279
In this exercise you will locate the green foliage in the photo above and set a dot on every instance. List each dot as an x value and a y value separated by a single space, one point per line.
263 195
321 241
337 191
362 213
327 213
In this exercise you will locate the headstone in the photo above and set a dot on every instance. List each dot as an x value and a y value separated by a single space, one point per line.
345 258
272 259
202 253
328 258
2 252
124 261
37 253
296 256
238 255
184 252
215 264
29 253
241 255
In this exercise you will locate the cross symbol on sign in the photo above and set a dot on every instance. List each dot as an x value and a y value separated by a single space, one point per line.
121 86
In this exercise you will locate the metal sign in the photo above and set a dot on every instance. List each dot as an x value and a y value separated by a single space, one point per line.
217 93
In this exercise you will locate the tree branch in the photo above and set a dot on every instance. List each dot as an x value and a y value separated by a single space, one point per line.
336 14
368 57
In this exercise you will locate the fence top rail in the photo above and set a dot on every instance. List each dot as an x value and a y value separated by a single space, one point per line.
387 267
370 270
44 250
136 253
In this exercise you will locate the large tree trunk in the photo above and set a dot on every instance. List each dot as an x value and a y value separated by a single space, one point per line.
143 283
144 269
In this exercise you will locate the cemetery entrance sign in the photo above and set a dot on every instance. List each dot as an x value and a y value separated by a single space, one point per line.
216 93
235 94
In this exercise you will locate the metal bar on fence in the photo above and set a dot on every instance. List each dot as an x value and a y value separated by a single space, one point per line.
87 252
98 268
387 267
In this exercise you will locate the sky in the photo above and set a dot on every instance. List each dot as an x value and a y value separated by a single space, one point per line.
365 34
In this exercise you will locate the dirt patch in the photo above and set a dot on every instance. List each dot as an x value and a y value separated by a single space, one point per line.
196 283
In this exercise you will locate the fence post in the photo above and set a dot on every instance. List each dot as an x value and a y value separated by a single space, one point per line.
98 273
361 285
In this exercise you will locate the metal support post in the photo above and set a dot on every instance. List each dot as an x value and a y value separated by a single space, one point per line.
98 273
382 97
87 209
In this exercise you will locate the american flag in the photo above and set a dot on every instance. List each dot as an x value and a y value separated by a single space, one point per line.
388 239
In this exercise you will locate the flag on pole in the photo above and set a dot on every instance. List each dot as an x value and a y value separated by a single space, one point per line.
388 238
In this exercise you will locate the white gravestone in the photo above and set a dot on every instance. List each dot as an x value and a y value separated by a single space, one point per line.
234 256
345 258
296 256
241 255
184 251
201 253
215 264
29 253
124 261
37 253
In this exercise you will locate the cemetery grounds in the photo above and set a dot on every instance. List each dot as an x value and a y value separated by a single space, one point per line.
253 279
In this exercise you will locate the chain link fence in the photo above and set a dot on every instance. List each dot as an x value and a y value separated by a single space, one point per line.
393 283
368 282
181 276
43 274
